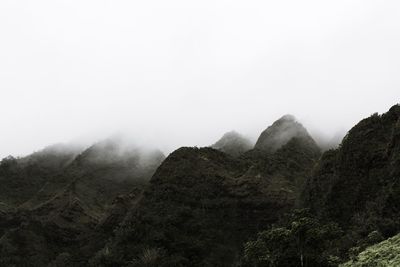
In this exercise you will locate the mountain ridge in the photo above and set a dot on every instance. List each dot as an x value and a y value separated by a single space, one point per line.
114 205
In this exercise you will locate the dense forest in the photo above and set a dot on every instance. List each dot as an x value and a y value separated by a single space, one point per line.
283 201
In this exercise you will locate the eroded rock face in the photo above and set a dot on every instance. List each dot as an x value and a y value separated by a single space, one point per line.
233 144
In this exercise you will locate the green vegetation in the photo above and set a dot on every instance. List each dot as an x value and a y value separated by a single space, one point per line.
384 254
301 241
357 184
57 202
203 205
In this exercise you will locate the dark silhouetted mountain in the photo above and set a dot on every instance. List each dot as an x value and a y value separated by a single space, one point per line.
61 216
102 172
203 204
21 178
281 203
233 144
357 185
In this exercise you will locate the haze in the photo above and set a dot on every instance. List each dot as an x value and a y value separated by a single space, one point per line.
182 73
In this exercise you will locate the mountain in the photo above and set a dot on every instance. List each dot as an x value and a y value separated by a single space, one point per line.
101 172
233 144
282 203
21 178
280 133
357 184
59 219
203 204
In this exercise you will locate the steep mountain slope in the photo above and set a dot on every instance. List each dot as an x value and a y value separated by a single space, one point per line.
281 132
60 220
358 184
203 204
100 173
21 178
233 144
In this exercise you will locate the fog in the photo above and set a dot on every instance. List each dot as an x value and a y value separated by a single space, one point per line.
182 73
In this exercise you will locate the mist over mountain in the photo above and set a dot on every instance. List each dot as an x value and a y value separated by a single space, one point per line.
329 142
233 144
22 177
179 74
64 193
280 133
154 134
120 203
201 197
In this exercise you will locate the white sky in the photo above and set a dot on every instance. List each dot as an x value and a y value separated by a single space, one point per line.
177 73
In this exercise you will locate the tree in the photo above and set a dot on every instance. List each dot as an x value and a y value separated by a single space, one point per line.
300 241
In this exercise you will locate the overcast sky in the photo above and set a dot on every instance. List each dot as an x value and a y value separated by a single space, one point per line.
176 73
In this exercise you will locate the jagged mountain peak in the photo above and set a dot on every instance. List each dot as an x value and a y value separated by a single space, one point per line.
280 133
233 143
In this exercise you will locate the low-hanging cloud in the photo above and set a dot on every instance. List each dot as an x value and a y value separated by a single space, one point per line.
182 73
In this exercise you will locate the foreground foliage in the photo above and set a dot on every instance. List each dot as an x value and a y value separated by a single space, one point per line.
386 253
